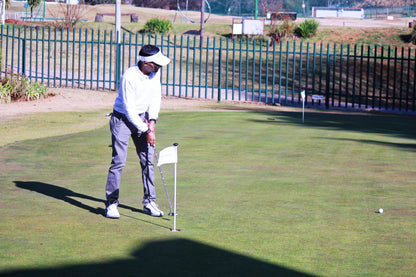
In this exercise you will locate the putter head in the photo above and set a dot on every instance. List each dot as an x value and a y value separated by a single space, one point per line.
171 214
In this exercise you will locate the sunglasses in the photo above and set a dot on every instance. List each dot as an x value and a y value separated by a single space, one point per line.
155 66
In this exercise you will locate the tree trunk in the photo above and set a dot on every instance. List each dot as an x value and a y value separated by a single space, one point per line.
202 19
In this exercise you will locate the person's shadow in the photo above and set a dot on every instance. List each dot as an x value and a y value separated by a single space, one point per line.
68 196
166 258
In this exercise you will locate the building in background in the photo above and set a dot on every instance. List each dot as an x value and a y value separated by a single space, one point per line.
2 11
321 12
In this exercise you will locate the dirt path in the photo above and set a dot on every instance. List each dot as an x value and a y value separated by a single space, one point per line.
67 99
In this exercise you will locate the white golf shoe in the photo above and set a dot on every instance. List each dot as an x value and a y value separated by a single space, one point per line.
112 212
152 209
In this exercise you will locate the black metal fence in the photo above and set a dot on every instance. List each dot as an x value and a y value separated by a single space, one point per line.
239 69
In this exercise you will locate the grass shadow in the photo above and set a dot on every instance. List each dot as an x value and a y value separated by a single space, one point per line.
392 125
193 32
177 257
404 146
377 123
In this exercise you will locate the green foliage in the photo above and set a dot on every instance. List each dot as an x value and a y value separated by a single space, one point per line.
18 87
36 91
307 28
157 25
33 3
5 93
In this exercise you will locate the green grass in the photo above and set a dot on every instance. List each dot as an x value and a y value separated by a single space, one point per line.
258 193
41 125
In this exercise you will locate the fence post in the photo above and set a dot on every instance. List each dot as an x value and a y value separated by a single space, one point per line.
328 78
23 56
219 70
118 64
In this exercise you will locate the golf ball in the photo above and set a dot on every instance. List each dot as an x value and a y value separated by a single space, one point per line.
380 210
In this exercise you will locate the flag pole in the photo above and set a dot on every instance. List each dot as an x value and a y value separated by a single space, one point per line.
174 197
302 94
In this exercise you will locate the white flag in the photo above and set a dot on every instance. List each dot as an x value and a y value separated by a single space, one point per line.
302 94
169 155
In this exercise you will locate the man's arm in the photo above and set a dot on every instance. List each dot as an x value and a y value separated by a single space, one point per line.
154 107
129 103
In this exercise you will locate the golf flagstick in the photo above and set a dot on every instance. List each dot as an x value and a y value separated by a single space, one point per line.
302 94
169 155
174 197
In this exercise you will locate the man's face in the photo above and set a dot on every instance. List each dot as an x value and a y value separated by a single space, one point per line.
150 67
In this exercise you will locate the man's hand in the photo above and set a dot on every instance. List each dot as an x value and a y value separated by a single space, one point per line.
151 136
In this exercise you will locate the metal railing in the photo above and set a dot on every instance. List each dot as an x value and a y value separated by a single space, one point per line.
238 69
383 12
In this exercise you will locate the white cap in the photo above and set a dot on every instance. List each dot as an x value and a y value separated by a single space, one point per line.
157 58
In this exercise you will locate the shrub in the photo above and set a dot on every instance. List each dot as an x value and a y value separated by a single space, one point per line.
5 93
307 28
285 29
157 25
36 91
67 15
18 87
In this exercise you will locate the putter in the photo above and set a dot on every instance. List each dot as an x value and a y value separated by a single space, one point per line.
164 183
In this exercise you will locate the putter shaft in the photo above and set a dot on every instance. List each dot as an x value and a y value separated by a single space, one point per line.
164 183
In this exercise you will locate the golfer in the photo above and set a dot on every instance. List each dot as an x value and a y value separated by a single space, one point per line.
135 112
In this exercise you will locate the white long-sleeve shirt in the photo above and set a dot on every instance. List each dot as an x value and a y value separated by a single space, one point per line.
139 93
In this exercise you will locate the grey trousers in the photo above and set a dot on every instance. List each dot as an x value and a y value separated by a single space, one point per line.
121 131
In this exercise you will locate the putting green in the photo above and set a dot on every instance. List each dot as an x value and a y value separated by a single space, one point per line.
258 193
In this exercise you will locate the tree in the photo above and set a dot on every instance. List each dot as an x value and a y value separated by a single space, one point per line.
270 6
201 32
234 7
33 4
71 13
159 4
386 3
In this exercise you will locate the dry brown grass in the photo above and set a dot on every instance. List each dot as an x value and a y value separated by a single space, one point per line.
143 13
331 30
